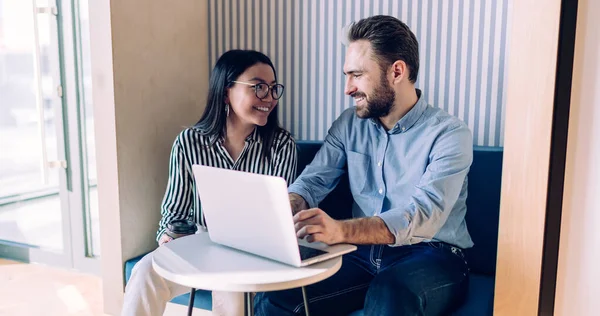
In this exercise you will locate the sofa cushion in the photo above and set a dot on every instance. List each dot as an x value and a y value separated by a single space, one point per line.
480 298
202 299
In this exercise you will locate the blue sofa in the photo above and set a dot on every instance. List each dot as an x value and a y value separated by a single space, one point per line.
483 204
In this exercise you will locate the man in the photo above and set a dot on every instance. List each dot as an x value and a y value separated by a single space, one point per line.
407 163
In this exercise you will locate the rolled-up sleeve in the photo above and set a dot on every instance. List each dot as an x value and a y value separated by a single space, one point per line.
438 190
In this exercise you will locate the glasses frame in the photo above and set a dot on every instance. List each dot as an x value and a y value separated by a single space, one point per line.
269 89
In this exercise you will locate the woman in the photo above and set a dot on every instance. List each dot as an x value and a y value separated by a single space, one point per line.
239 130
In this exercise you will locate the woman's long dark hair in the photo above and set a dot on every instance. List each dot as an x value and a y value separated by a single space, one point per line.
228 68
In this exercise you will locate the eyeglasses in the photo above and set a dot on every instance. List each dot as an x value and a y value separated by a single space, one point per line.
262 89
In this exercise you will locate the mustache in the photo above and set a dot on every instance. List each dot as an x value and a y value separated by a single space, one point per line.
358 95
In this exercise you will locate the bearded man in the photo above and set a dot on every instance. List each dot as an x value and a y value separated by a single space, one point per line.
407 163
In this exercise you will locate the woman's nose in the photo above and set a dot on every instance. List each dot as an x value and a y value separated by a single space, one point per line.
268 98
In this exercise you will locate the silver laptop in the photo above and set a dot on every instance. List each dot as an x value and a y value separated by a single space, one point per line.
252 213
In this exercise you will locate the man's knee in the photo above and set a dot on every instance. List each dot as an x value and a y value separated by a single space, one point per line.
389 295
392 288
397 293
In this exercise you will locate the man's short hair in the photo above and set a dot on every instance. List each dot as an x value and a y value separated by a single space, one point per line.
391 40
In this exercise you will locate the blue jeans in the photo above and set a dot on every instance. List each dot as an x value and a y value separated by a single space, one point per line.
421 279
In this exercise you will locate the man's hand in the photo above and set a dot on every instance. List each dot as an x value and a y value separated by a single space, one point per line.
297 202
316 225
164 238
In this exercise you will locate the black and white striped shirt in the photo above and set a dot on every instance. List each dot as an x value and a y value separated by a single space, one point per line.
191 148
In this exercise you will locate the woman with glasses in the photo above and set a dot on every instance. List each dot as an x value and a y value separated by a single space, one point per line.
239 130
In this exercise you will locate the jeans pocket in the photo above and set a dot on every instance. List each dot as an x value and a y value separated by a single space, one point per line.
436 245
458 252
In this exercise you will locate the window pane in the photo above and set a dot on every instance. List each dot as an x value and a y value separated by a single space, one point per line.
30 208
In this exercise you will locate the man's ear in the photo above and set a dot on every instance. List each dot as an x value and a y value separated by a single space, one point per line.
399 71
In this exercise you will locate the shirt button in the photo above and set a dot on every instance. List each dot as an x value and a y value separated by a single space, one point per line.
380 191
379 164
403 129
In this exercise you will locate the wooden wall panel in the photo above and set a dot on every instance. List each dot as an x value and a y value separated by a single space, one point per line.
533 42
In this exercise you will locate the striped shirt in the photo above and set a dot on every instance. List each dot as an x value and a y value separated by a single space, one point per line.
191 148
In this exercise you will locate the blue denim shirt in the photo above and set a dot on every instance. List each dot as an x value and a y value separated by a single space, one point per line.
413 176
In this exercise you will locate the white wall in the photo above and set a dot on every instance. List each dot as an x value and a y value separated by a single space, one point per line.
150 74
578 285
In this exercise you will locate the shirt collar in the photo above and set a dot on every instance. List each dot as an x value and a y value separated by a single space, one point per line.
252 138
410 118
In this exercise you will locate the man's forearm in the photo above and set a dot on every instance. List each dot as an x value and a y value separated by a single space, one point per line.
367 231
298 203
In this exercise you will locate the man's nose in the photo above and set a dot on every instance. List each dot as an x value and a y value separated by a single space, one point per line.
349 88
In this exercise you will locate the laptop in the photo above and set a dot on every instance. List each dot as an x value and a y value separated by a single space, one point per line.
252 212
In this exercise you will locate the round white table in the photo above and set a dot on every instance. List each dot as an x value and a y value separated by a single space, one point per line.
197 262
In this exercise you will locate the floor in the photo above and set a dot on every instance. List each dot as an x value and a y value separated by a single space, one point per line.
35 289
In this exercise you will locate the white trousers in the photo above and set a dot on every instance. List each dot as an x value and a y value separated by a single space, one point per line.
147 294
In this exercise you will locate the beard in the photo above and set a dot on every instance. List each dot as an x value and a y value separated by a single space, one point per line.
379 104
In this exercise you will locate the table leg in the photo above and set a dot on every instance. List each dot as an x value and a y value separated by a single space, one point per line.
304 297
248 304
191 303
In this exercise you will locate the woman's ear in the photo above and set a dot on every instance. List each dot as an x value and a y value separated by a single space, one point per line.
226 96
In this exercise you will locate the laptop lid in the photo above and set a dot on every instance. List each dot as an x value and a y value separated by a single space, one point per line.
248 211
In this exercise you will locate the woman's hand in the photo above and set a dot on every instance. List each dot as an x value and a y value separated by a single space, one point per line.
164 239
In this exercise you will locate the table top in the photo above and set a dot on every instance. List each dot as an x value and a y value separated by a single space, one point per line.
197 262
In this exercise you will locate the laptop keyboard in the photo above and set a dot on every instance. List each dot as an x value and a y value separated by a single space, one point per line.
307 252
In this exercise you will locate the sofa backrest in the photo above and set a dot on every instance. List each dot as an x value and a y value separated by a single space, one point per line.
483 208
483 201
